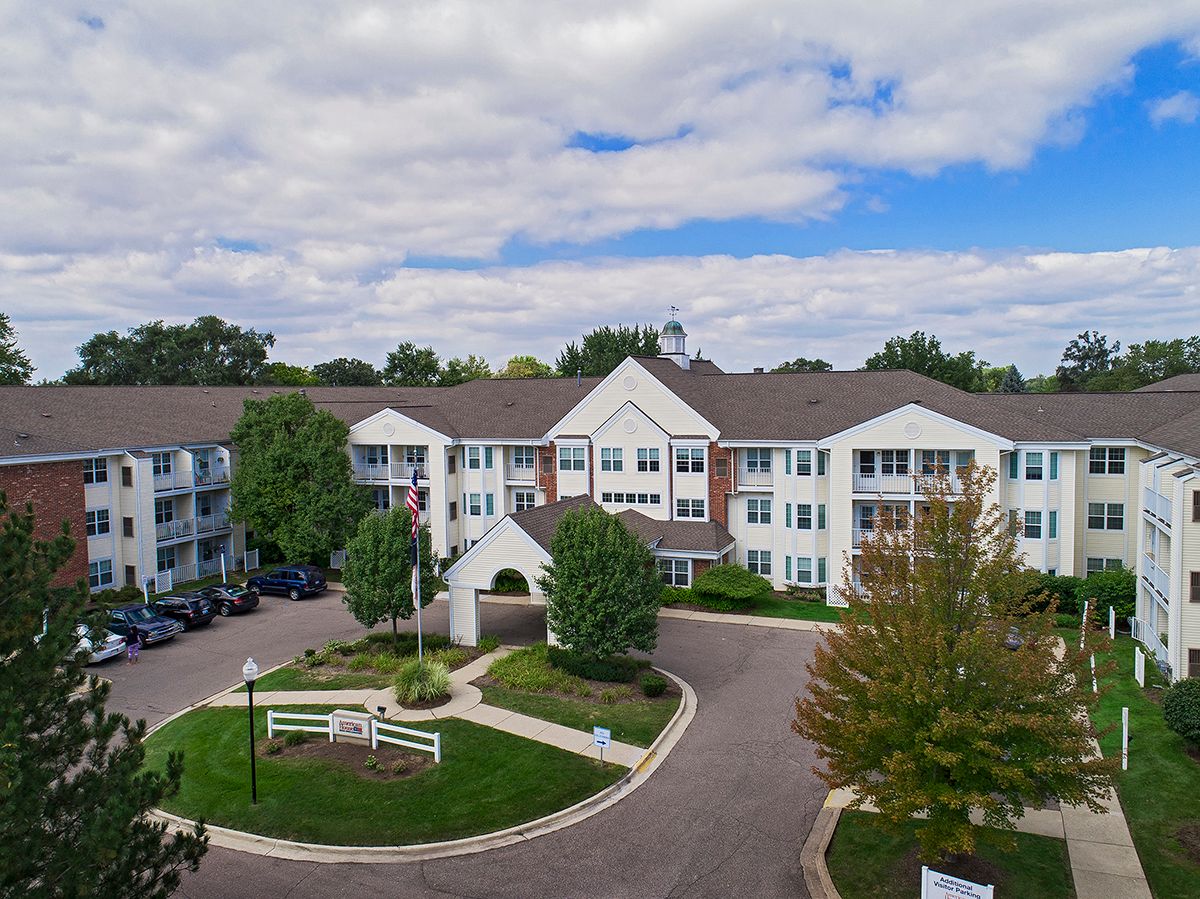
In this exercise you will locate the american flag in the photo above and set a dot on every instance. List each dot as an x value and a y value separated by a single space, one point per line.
414 506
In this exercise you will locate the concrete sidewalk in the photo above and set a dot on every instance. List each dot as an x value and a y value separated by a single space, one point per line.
786 624
576 741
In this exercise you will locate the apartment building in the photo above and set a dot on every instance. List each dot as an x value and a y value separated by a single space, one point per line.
782 473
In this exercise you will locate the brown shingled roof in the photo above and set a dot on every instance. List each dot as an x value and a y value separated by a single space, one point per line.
1178 382
540 522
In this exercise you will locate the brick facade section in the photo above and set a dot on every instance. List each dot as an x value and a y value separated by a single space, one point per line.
56 491
547 475
719 488
699 566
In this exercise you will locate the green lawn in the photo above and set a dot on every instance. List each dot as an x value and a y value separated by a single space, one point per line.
639 722
319 678
773 607
488 780
866 862
1161 790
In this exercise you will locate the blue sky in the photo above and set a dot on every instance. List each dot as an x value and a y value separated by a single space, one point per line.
799 179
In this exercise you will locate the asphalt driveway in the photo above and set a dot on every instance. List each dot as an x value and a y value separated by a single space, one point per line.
725 815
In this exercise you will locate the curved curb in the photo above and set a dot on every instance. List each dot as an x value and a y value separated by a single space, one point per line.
581 811
463 698
812 856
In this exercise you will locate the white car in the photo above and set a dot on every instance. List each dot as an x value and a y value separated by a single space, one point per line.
99 650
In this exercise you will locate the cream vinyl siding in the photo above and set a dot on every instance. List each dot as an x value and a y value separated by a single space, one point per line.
464 613
646 435
654 400
1096 488
1184 560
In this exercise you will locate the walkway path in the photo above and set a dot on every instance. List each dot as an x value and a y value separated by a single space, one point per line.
786 624
466 702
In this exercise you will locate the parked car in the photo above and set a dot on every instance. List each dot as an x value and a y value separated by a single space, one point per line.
99 644
152 626
189 609
294 581
230 599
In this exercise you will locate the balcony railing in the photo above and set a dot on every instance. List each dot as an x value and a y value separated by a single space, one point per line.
404 470
519 473
1156 577
1157 505
169 530
1148 637
172 480
208 524
187 527
756 477
903 484
212 475
370 471
858 534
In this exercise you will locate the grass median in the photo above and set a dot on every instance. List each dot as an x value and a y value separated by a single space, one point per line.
488 780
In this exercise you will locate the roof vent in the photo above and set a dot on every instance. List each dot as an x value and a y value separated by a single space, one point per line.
23 436
509 403
303 392
214 405
813 401
758 371
45 415
205 390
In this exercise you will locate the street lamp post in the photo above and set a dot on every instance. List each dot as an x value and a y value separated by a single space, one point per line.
250 675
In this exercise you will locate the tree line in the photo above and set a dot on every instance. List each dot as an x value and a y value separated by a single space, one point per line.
213 352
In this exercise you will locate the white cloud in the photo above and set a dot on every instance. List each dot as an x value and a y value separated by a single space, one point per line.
1180 107
1009 306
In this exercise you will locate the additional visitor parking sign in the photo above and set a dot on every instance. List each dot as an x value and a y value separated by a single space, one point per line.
935 885
601 736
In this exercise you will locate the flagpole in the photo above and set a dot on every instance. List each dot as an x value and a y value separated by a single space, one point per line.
414 507
417 594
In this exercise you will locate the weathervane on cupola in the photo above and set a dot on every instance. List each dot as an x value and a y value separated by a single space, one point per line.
671 341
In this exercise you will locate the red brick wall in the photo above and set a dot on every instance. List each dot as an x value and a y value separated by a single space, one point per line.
548 479
56 491
719 488
699 566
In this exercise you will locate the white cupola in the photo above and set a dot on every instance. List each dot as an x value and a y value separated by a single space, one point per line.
671 342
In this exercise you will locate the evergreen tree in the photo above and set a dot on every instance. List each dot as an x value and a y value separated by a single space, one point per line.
916 701
377 575
1012 382
409 365
74 794
603 349
15 367
293 485
343 372
602 592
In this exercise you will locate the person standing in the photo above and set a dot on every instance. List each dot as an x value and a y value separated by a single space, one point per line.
134 644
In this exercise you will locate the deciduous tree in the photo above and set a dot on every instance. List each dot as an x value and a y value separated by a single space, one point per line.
343 372
1085 358
601 587
74 792
293 484
409 365
802 364
377 575
284 375
924 354
15 367
603 349
915 700
525 367
459 371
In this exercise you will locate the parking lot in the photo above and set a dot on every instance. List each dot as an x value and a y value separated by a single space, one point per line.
725 815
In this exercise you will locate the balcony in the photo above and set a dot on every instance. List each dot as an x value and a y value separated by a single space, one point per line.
172 480
899 484
524 473
210 524
370 471
190 527
1157 505
403 471
172 530
756 477
1156 577
207 477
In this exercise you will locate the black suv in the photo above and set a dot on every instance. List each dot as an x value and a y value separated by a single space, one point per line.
152 626
189 609
231 599
294 581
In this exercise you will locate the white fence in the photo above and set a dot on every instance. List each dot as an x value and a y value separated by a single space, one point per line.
1148 637
382 732
250 560
337 559
379 731
1139 666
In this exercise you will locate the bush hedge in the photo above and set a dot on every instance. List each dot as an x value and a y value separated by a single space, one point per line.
653 685
728 587
422 683
671 595
1181 709
614 669
1116 587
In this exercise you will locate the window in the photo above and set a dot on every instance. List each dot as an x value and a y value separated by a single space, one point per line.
787 515
100 573
866 462
489 504
1194 594
758 511
1052 524
547 463
822 568
689 508
372 455
756 460
759 561
804 517
804 570
1196 505
524 499
787 465
1193 663
523 457
160 463
1054 466
381 498
1106 460
1106 516
821 457
787 568
127 526
721 466
1094 565
451 463
612 459
130 575
893 462
691 460
935 462
1033 525
821 523
454 511
1013 463
97 523
803 462
570 458
488 457
675 572
126 475
472 459
166 558
647 460
164 511
422 499
204 504
654 499
1033 466
474 504
414 455
95 471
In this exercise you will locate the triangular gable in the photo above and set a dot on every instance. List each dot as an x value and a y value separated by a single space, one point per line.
400 417
628 409
921 411
506 527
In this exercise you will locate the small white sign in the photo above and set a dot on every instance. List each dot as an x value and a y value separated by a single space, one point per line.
935 885
601 736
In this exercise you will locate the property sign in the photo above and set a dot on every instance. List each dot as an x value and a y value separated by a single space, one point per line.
601 736
935 885
351 725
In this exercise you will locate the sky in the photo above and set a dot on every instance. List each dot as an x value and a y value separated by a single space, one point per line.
499 177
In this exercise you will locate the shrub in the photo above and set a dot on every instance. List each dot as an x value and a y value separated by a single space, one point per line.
614 669
273 746
729 586
671 595
529 669
118 596
807 594
294 738
1181 709
1062 620
361 662
451 656
1116 587
653 685
422 683
611 695
372 763
488 643
399 766
1063 587
509 580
